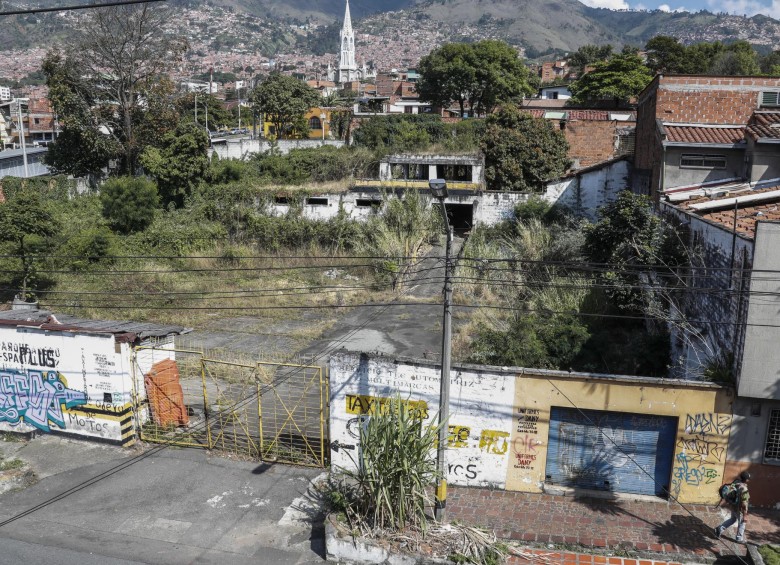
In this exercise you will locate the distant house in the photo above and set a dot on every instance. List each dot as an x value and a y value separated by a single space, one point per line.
594 136
554 93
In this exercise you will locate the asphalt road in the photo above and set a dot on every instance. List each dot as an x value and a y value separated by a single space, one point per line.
175 506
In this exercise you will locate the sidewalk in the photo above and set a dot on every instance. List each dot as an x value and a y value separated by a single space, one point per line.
648 528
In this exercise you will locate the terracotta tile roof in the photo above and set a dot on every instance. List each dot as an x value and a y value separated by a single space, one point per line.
703 134
764 125
585 115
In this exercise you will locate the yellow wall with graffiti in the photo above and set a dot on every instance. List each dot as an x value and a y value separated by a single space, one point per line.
703 426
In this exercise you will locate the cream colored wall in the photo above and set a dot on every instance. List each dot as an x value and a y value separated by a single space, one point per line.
704 422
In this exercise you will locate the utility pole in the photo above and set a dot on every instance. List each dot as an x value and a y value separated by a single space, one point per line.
22 141
439 190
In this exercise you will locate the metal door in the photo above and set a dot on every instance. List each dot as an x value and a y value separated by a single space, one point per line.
611 451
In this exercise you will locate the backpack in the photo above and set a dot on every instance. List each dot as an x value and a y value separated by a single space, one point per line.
729 493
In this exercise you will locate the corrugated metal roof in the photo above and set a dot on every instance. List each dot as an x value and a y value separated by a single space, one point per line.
65 322
703 134
747 214
764 125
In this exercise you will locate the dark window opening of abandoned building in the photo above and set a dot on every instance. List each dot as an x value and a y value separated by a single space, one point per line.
409 171
457 173
461 217
281 200
317 201
367 203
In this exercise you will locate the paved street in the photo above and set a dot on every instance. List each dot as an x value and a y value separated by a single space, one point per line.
176 506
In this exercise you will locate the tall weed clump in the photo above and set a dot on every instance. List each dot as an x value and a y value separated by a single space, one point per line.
395 468
400 234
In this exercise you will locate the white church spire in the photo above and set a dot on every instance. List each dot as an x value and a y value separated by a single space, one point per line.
347 65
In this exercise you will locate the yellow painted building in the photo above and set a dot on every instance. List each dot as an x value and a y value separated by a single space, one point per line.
318 119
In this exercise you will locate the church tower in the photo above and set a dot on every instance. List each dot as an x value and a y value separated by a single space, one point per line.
347 66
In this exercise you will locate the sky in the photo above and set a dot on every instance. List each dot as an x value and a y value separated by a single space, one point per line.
747 7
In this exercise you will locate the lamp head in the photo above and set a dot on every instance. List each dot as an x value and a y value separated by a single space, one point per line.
438 188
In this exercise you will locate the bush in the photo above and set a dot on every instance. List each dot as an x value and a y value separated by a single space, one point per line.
129 203
547 342
389 487
177 232
770 554
92 246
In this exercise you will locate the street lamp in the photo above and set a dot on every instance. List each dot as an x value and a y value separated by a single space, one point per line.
439 191
322 125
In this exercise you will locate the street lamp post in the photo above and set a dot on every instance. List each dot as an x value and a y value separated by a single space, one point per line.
323 116
439 191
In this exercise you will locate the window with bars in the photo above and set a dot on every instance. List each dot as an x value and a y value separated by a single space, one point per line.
703 161
772 449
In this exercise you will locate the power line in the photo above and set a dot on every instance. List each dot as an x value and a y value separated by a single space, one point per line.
79 7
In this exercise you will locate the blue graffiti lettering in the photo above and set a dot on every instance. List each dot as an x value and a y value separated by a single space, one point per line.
36 397
693 475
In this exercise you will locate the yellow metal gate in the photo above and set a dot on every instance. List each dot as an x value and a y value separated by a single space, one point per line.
262 410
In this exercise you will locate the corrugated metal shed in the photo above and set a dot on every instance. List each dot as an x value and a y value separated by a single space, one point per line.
123 330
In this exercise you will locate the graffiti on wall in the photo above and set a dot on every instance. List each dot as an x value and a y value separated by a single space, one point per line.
701 450
36 397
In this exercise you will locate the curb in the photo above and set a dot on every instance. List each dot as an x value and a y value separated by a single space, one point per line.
349 550
755 556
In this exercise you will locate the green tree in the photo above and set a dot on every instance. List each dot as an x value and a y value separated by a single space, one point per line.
129 203
550 341
480 75
180 163
635 243
447 75
522 152
620 79
102 86
666 54
207 105
24 218
738 59
283 99
590 54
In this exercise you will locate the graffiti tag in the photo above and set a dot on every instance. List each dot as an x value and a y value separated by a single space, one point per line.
703 450
689 471
707 423
36 397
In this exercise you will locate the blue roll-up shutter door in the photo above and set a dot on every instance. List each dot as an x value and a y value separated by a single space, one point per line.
612 451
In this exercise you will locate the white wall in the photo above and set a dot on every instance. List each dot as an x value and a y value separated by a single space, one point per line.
590 189
481 406
64 382
242 148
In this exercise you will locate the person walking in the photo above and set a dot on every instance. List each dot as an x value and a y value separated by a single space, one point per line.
739 508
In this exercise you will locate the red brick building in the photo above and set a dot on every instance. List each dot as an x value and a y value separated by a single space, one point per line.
694 102
594 136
